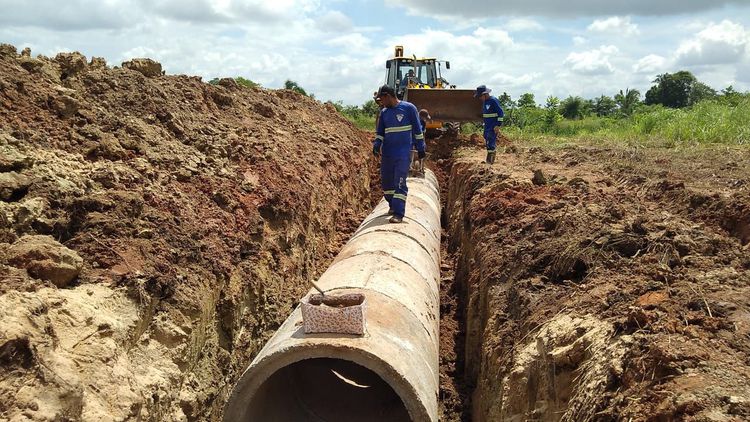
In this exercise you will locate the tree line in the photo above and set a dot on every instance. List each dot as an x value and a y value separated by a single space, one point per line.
673 90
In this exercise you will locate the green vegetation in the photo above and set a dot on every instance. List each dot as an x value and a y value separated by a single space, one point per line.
246 82
239 79
294 86
678 90
362 116
678 111
714 121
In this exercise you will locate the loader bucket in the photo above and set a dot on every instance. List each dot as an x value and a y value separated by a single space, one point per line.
448 105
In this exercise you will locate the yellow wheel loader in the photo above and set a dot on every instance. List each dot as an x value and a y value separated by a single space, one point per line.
420 82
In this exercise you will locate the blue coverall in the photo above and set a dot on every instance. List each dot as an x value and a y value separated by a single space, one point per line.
493 116
397 127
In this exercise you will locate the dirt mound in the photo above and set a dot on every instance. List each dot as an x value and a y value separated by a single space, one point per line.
602 284
181 222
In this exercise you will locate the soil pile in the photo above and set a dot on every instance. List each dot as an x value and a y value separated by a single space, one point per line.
601 284
154 231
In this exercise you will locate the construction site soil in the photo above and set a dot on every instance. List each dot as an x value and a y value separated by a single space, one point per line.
155 230
596 284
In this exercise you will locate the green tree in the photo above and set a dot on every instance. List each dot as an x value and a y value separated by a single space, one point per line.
551 115
672 90
294 86
604 106
628 100
731 96
552 102
526 100
370 108
506 102
701 92
588 107
245 82
572 108
729 92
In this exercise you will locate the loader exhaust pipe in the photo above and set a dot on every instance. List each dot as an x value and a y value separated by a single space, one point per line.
390 373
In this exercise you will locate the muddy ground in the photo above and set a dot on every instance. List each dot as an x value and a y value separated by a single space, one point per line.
596 284
154 231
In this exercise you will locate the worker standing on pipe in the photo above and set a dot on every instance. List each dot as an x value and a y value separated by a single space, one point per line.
398 127
493 116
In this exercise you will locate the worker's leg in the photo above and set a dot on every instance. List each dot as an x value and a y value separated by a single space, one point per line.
490 141
386 179
400 173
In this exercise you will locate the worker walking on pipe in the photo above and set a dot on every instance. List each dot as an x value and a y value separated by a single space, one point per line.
398 127
493 116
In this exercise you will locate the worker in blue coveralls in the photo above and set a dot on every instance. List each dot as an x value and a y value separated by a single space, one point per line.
398 127
493 116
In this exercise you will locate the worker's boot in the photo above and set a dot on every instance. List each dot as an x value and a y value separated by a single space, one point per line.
492 156
396 219
390 211
487 159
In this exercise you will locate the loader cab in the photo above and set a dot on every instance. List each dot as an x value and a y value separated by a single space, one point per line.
397 70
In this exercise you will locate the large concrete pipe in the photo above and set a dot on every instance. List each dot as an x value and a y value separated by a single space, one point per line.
390 373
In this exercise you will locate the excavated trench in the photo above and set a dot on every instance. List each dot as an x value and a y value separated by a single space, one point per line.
479 381
568 297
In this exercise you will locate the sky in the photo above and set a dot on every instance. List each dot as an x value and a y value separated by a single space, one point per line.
337 49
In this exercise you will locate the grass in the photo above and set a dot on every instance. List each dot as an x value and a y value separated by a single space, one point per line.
708 122
362 121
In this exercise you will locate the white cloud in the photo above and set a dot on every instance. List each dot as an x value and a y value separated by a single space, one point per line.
653 63
482 42
496 38
334 21
722 43
117 14
614 25
523 24
592 62
743 72
578 40
353 42
73 15
485 56
557 8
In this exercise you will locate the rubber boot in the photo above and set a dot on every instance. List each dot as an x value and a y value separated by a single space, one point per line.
487 160
492 157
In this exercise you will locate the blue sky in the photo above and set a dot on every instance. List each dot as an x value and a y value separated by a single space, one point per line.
337 49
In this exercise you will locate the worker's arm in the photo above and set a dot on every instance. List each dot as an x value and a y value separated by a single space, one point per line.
416 131
499 110
379 135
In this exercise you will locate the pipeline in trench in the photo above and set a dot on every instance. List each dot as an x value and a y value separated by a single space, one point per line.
391 373
410 365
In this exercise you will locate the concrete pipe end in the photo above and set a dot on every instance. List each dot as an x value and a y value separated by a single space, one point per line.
324 383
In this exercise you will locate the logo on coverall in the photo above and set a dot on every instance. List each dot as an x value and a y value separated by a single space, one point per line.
400 117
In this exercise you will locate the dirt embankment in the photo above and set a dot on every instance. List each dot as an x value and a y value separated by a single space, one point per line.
154 231
599 284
